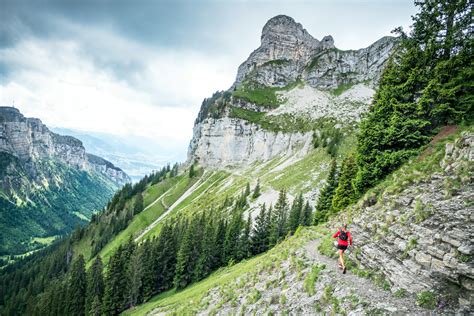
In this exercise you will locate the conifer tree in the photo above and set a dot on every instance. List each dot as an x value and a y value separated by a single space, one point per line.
164 260
138 204
295 213
115 285
324 204
243 248
219 238
345 192
192 172
204 262
281 212
134 276
232 236
186 258
95 288
307 216
261 232
77 288
247 190
256 190
149 277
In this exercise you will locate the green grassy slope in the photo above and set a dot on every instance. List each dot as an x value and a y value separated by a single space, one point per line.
66 198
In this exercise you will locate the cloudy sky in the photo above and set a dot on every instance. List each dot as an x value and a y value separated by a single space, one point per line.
142 68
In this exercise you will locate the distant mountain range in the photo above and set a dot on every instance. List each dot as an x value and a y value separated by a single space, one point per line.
49 184
137 156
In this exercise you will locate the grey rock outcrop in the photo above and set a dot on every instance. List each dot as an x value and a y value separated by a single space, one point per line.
288 53
230 141
30 140
421 237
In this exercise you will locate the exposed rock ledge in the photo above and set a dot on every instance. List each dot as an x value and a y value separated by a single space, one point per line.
230 141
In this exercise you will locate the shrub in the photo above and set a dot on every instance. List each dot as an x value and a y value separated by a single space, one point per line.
426 299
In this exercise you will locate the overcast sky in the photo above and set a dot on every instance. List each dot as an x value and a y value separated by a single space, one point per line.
142 68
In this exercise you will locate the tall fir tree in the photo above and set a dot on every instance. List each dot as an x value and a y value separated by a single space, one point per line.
345 193
306 215
279 222
232 236
115 285
186 259
324 204
77 288
204 262
138 204
134 276
95 288
218 250
261 232
295 213
256 190
243 247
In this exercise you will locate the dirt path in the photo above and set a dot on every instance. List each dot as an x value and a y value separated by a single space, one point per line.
157 199
363 286
168 210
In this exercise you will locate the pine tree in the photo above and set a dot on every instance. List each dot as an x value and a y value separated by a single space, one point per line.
256 190
327 193
345 192
232 236
138 204
192 172
149 276
168 258
77 288
218 250
243 247
247 190
204 262
134 276
307 216
281 211
186 257
115 285
261 232
95 288
295 213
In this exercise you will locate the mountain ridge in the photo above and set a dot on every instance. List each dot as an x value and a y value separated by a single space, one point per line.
46 173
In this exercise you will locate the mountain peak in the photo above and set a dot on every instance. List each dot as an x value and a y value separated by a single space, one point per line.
282 28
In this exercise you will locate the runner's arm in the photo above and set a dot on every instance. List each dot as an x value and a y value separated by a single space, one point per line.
336 234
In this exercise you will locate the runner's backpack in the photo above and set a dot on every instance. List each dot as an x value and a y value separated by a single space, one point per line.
343 235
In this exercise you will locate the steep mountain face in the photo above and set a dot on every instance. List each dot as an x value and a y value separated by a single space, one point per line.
48 183
284 91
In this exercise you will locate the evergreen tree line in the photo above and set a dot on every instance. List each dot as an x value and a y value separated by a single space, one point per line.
185 251
43 273
428 83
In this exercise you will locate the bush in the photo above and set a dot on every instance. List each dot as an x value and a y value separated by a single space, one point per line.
426 299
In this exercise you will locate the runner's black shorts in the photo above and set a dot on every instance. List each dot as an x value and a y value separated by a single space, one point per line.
343 248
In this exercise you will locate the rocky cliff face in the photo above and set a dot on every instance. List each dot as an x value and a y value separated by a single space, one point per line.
232 141
290 75
29 140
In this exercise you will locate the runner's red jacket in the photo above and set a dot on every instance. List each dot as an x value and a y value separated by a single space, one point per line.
343 242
